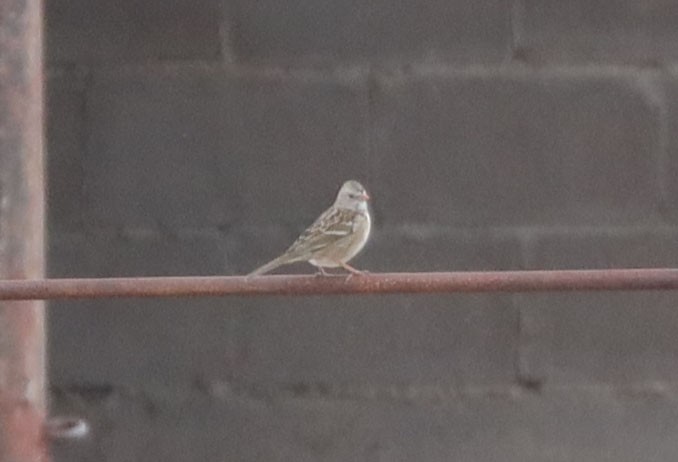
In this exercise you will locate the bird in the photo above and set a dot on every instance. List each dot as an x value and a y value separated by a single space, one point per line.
335 237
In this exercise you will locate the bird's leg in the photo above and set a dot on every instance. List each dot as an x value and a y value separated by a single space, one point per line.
351 270
321 272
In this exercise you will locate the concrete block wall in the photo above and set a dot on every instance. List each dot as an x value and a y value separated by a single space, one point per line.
200 137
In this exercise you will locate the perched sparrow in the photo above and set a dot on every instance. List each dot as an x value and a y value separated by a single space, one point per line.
335 237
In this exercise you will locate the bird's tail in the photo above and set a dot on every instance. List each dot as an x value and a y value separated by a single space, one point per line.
270 266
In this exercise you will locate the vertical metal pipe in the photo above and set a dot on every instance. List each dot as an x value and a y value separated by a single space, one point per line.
22 337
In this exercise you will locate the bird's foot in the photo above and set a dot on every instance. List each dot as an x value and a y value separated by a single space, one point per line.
321 273
353 271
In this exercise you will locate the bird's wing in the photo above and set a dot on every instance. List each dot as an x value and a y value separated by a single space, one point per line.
333 225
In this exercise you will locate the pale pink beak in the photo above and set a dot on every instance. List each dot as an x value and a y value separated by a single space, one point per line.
365 196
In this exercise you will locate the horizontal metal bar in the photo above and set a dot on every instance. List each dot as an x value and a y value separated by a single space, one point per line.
384 283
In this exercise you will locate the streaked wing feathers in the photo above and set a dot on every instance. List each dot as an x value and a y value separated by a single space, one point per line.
333 225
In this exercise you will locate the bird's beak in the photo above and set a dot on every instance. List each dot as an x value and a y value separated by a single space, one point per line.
365 196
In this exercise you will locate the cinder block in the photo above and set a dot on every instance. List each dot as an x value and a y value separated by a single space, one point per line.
137 342
668 166
303 31
608 338
600 249
523 150
589 426
127 30
142 253
329 341
447 340
140 343
393 250
195 147
624 31
423 339
65 149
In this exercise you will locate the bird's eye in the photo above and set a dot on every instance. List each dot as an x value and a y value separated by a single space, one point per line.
353 196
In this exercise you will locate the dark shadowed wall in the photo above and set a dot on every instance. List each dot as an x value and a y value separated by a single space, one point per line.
199 137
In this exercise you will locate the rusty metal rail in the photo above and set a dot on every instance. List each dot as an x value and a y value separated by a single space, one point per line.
22 338
386 283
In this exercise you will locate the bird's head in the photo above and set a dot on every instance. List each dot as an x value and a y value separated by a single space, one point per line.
353 196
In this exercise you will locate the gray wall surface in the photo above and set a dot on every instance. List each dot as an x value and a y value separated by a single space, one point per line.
200 137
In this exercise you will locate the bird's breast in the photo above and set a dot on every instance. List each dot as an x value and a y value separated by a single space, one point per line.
361 230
